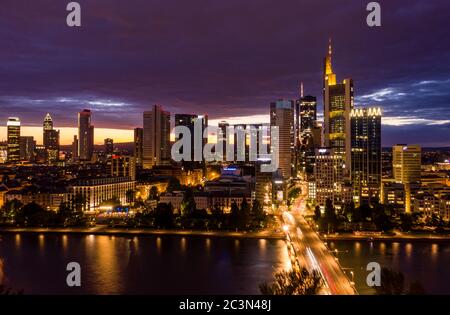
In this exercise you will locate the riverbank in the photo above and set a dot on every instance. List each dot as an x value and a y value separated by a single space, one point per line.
403 237
104 230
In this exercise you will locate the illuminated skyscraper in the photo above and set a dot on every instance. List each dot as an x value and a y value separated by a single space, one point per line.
282 117
366 152
338 103
75 147
51 140
85 135
328 175
406 165
109 146
27 148
156 137
138 140
188 120
13 126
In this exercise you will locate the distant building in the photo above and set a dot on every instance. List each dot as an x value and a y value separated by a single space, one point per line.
282 117
51 140
156 137
85 135
138 141
109 146
188 120
75 147
27 148
13 129
123 166
366 153
406 166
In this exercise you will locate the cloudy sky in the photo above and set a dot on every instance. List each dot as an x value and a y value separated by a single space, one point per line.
228 59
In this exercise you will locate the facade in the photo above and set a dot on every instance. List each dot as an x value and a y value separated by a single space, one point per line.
51 140
138 140
328 175
27 148
282 118
98 190
156 137
109 146
188 120
13 129
338 103
85 135
406 165
366 153
123 166
75 147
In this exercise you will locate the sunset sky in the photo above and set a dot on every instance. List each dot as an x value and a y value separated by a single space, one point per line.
228 59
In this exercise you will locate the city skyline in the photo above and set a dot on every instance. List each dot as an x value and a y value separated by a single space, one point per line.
193 69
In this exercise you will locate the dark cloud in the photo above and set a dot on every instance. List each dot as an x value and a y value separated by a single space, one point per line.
226 58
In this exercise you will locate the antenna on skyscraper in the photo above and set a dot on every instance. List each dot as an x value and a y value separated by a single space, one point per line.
301 89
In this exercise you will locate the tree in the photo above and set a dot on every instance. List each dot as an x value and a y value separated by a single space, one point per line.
173 185
164 217
130 196
293 283
258 214
381 218
406 222
234 215
153 194
330 218
33 214
317 213
188 205
10 209
365 212
244 215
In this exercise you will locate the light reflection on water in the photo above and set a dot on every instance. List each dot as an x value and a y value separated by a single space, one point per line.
141 265
426 262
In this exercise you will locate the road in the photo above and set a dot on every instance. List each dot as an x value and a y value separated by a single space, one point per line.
312 253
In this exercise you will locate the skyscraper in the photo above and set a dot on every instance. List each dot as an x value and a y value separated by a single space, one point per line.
156 137
366 152
328 175
75 147
13 126
338 103
27 148
138 140
188 120
85 135
51 140
406 165
222 138
282 117
109 146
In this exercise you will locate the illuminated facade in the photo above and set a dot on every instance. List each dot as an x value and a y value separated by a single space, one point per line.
406 163
51 140
138 141
328 175
366 153
85 135
27 148
338 103
156 137
282 117
96 191
13 126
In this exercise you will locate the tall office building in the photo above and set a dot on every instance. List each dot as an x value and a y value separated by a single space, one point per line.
138 140
282 117
338 103
366 153
13 126
75 147
109 146
188 120
328 175
406 165
27 148
156 137
123 166
308 133
222 138
85 135
51 140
